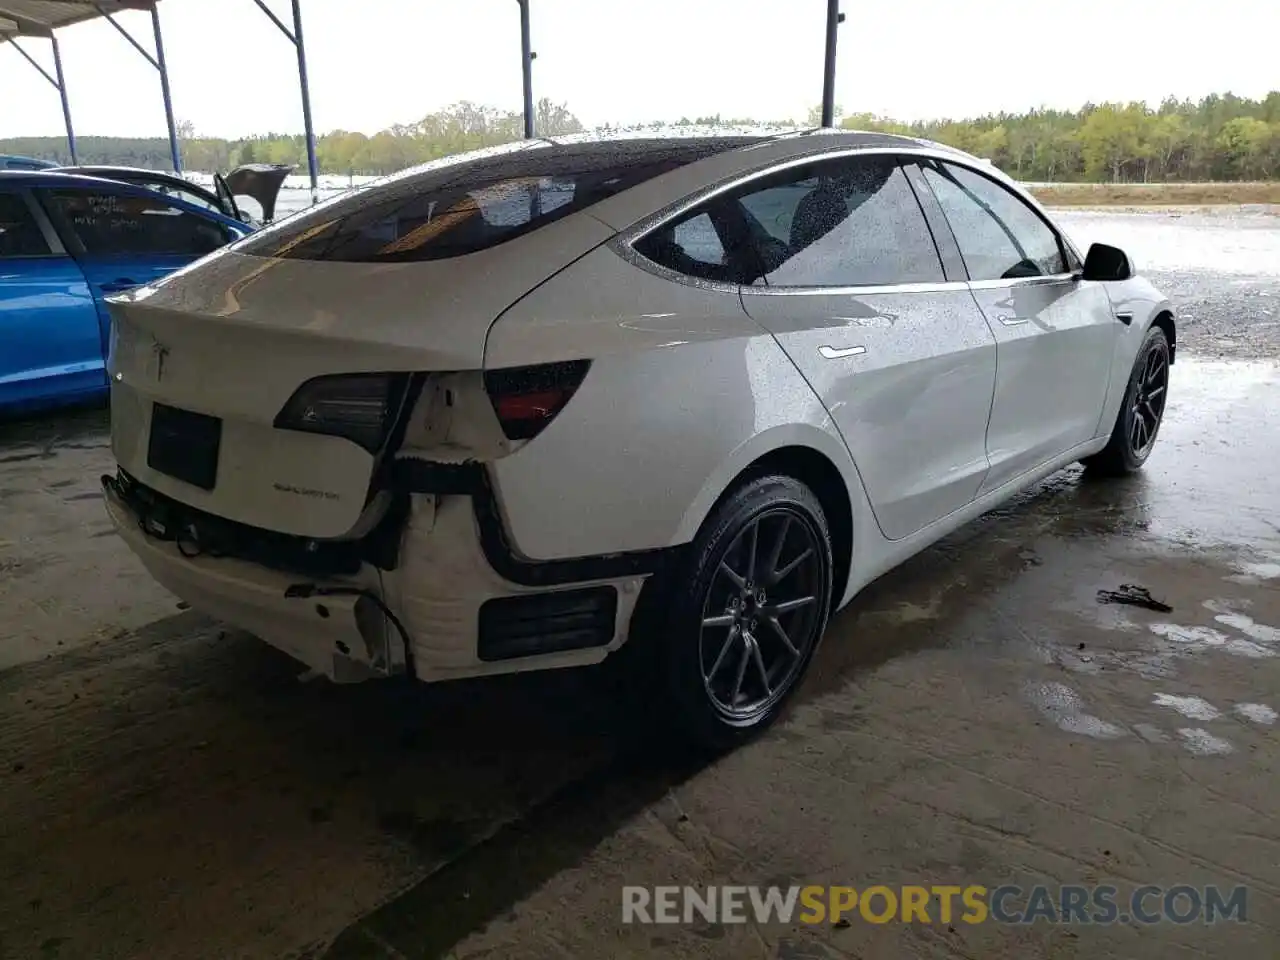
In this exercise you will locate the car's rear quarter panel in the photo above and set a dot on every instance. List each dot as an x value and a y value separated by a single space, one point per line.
240 334
685 390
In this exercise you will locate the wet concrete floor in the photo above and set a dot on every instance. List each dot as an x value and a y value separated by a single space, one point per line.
168 787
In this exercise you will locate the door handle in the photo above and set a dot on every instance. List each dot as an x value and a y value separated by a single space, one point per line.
839 353
1014 321
119 285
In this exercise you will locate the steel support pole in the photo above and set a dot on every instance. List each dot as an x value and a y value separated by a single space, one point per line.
66 106
829 64
56 81
164 91
312 166
526 68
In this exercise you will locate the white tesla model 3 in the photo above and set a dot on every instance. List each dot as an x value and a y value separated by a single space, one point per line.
489 414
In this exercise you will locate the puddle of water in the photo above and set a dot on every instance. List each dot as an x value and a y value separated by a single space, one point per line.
1181 492
1257 713
1063 706
1260 570
1249 627
1209 637
1203 743
1193 708
1226 606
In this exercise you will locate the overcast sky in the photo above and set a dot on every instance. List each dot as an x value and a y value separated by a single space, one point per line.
377 62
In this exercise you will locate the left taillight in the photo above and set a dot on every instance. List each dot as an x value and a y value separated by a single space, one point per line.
526 399
360 407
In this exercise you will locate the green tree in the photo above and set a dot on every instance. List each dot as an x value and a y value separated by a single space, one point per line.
1168 137
1109 138
1220 136
1245 143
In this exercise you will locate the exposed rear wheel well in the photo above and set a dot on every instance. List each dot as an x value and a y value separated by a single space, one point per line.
1164 320
820 475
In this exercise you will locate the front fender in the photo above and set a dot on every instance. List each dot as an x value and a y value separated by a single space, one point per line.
1139 299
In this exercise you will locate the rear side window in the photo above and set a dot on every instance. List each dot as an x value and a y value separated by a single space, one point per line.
190 196
20 235
845 223
472 203
692 246
1000 237
110 224
841 223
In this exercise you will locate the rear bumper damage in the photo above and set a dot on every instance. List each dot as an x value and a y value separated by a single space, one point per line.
335 625
434 591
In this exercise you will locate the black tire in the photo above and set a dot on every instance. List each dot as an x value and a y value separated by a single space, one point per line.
786 517
1138 423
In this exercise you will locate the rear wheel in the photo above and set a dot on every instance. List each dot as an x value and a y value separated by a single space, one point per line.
1141 412
742 624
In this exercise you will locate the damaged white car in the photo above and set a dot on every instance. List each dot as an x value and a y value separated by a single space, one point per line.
490 414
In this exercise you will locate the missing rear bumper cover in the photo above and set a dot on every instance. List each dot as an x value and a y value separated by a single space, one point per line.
472 479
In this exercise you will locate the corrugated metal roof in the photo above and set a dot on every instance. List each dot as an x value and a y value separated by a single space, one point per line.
39 18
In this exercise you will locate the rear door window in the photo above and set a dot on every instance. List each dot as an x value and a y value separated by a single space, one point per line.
999 235
472 203
20 235
843 223
118 224
189 196
850 222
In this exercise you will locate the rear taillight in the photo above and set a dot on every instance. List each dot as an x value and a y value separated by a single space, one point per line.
359 406
526 399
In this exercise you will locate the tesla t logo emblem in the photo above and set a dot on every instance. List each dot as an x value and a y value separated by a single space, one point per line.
161 353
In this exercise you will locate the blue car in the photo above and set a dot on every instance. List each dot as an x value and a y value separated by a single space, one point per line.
9 161
66 243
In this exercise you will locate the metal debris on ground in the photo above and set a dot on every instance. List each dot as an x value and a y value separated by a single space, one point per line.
1134 596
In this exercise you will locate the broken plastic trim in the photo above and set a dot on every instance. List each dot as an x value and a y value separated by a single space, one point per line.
472 479
304 591
196 533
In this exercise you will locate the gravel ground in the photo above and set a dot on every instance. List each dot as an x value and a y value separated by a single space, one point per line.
1220 267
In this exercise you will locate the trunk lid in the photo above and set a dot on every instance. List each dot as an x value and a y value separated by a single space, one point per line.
259 181
234 336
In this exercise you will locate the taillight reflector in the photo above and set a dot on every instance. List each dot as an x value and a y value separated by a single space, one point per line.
526 399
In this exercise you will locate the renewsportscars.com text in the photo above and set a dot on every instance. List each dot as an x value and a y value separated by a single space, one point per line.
973 904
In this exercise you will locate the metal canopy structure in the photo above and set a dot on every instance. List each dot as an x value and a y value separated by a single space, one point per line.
42 18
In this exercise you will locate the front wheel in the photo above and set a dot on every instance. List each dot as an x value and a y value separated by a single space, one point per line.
1141 411
743 623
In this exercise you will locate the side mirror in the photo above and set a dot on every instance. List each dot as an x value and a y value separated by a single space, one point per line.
1107 263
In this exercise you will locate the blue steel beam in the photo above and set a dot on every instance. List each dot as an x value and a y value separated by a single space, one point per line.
66 104
59 83
834 19
161 67
32 60
164 91
312 166
526 68
295 37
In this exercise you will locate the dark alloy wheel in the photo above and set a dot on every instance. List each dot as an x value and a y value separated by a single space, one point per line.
760 613
1141 412
743 625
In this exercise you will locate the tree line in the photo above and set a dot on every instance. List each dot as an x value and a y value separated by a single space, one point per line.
1219 137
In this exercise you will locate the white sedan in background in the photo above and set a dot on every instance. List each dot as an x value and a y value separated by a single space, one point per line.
493 413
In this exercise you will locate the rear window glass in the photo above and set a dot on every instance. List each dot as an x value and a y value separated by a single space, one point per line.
121 224
471 203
